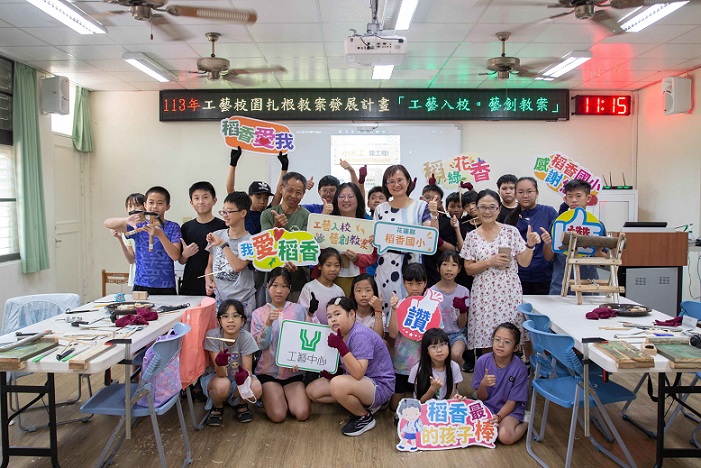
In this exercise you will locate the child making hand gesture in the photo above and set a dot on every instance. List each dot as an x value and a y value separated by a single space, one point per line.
436 375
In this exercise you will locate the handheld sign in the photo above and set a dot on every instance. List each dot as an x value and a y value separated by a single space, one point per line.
417 314
444 424
341 232
450 172
580 221
305 345
405 238
273 247
557 169
257 135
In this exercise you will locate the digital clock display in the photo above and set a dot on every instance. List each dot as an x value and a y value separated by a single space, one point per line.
601 105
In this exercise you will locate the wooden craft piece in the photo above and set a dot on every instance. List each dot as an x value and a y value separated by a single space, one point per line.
16 358
80 362
626 355
681 356
592 241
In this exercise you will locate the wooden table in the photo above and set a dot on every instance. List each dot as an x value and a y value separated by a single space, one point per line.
101 363
568 318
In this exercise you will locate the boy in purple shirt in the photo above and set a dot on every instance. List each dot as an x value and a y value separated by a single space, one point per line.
501 381
155 272
369 379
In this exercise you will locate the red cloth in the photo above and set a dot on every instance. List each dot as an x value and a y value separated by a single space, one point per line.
601 313
130 320
673 322
147 314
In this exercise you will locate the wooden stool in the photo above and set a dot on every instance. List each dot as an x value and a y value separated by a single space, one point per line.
113 278
613 261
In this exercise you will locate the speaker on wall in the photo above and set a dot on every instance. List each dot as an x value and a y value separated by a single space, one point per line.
677 94
55 95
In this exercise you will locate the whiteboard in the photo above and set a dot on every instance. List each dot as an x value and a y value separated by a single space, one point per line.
419 143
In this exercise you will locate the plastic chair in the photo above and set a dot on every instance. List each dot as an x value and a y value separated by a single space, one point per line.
193 357
111 400
23 311
568 392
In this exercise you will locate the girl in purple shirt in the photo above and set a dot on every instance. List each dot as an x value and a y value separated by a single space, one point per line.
502 383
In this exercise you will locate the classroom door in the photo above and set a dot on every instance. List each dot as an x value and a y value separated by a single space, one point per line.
68 209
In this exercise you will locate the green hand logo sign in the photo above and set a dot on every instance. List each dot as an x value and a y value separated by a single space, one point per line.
307 344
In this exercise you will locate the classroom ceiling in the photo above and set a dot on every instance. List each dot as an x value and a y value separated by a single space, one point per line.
449 42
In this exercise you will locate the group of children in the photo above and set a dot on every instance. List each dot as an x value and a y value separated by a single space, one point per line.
380 366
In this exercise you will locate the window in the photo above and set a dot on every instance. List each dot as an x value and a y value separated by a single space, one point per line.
9 241
64 123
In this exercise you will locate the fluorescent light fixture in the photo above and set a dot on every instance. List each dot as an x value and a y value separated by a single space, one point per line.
543 78
70 15
567 63
406 12
642 19
148 66
382 72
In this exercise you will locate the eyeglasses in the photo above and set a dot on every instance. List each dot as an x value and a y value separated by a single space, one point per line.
330 191
396 182
527 192
346 197
230 317
491 208
227 212
438 346
499 341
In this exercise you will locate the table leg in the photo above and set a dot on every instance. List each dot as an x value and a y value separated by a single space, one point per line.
3 420
660 418
53 436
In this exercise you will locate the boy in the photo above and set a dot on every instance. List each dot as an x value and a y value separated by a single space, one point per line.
134 203
577 195
506 185
375 198
446 233
155 272
327 189
194 234
289 214
232 278
259 191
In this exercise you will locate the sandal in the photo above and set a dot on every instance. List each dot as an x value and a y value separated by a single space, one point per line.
243 414
215 417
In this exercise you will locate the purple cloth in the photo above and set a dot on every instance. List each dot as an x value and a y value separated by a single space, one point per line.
364 343
154 269
512 384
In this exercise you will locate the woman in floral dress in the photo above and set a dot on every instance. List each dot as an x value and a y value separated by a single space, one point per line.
496 290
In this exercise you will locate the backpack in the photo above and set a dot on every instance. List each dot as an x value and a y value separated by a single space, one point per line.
165 384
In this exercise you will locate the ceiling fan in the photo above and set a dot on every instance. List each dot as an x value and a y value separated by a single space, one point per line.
153 11
214 67
502 67
594 10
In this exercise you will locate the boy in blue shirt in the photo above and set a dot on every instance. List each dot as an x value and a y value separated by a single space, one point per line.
155 272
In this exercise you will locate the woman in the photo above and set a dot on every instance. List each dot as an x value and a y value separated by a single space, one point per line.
491 253
397 186
348 201
535 279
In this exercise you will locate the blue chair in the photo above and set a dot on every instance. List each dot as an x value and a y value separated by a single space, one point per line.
23 311
568 392
111 400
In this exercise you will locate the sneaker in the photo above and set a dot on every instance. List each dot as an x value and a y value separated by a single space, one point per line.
358 424
215 417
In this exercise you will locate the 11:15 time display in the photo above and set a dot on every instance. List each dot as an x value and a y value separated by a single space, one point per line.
601 105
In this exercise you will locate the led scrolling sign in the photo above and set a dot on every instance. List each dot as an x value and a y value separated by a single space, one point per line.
366 104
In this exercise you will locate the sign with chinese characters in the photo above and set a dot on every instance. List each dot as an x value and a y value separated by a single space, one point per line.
341 233
365 104
444 424
305 345
416 314
580 221
257 135
557 169
272 248
405 238
451 172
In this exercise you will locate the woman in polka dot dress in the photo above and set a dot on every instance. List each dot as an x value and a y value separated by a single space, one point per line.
397 184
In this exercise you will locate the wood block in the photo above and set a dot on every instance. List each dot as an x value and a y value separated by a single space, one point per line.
681 356
625 355
16 359
80 362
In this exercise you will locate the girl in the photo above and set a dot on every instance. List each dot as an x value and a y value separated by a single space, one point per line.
135 207
535 278
502 383
317 293
368 381
436 375
456 299
397 186
405 352
368 307
232 361
348 202
496 290
283 389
